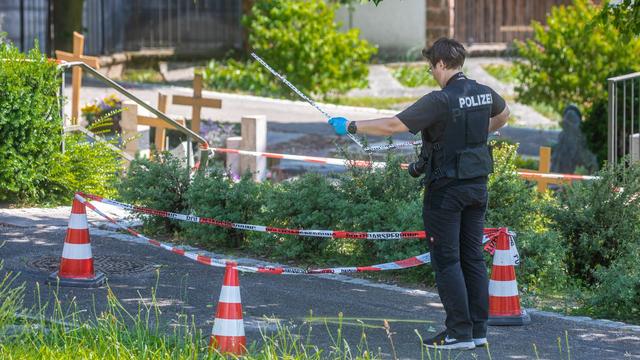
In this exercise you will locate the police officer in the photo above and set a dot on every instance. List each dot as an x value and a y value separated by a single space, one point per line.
454 124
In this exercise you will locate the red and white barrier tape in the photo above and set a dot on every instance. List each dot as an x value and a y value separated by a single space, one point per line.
489 240
392 235
380 164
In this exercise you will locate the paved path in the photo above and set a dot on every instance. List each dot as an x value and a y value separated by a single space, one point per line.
186 287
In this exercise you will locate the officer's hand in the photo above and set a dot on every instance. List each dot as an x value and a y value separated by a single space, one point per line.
339 125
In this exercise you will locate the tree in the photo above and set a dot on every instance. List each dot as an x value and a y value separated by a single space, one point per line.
623 14
67 18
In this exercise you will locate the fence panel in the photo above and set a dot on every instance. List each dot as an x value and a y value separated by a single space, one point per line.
25 21
623 137
187 26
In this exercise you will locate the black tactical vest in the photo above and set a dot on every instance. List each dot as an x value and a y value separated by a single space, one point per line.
461 152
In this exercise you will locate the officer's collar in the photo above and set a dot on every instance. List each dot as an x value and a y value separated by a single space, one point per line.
458 76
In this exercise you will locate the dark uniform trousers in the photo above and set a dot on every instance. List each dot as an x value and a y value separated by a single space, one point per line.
454 220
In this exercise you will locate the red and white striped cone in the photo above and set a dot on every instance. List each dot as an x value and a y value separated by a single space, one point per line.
76 264
504 300
228 328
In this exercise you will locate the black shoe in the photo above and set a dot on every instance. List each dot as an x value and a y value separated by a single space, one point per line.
442 341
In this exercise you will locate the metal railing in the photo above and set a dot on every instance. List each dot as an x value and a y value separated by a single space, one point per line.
623 136
190 135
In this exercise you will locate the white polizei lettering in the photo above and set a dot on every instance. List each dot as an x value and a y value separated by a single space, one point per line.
477 100
318 233
344 270
166 247
468 101
383 235
502 258
250 227
76 251
503 288
230 294
228 327
78 222
193 218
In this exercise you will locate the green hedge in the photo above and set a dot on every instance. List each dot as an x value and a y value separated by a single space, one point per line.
30 124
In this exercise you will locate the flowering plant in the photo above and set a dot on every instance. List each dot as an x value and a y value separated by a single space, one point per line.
104 114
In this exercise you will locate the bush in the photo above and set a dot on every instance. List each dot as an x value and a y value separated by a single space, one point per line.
515 204
160 185
599 218
213 194
599 221
570 60
91 167
300 40
30 124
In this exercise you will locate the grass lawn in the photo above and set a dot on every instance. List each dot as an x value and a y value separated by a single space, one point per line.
142 76
372 102
413 75
505 73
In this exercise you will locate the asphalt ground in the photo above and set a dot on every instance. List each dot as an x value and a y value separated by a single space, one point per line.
189 288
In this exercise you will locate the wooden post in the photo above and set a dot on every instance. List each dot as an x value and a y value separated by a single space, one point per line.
254 138
197 102
160 125
129 126
78 48
232 162
544 166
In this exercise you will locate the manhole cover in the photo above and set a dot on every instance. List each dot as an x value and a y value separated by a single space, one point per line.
110 265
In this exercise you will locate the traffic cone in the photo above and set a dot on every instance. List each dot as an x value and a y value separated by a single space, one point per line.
504 301
76 264
227 335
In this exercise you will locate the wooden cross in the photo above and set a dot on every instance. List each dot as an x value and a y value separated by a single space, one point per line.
78 48
160 125
197 102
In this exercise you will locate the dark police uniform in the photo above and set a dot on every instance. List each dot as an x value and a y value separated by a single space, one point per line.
454 124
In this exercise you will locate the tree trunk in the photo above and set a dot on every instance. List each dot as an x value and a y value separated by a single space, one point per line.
67 18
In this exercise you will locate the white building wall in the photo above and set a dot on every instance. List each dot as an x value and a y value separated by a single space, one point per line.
396 26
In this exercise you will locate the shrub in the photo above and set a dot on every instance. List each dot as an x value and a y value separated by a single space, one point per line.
160 185
300 40
88 166
309 202
570 60
515 204
95 112
599 221
599 218
213 194
30 124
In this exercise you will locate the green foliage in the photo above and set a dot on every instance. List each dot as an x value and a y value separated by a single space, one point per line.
160 185
515 204
300 40
599 221
414 76
30 124
213 194
624 15
85 166
503 72
570 60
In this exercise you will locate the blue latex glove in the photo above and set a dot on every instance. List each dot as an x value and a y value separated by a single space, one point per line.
339 125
